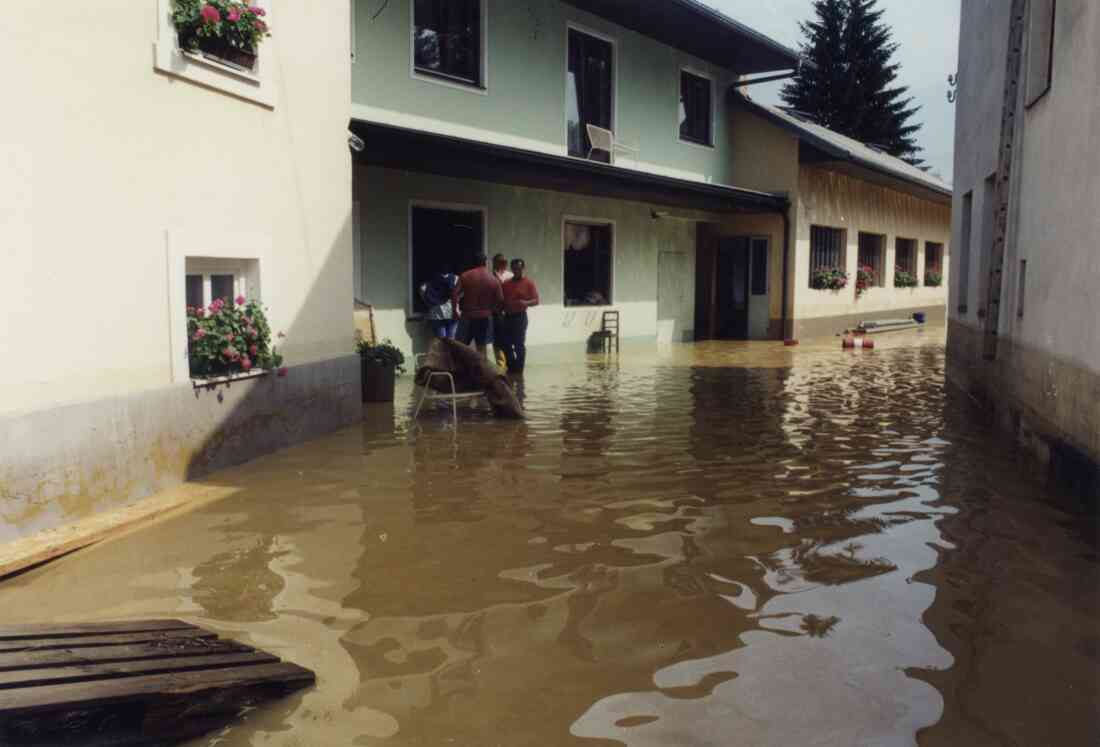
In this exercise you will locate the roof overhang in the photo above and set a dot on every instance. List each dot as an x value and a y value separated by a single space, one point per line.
405 149
698 29
816 150
843 163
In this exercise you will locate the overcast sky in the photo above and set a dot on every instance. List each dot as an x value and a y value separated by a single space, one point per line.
928 32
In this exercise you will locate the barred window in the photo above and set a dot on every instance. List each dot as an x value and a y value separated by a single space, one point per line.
872 251
826 249
933 258
906 259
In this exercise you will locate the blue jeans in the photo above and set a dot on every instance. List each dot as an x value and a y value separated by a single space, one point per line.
444 329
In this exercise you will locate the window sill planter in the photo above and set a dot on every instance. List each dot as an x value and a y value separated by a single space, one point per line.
221 52
378 380
215 381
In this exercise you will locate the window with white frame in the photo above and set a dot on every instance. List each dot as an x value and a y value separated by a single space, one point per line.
588 261
696 113
590 93
443 240
248 79
447 40
210 279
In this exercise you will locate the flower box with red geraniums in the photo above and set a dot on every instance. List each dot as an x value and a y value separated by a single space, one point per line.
829 278
865 278
229 32
230 338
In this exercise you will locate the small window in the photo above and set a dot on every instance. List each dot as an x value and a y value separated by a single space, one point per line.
826 250
872 251
588 260
447 39
933 264
695 109
906 255
760 267
443 241
195 295
210 279
1040 54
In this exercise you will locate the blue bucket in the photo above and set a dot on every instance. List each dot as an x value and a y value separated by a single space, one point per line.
919 317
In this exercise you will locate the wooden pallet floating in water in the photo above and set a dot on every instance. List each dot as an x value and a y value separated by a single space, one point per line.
132 683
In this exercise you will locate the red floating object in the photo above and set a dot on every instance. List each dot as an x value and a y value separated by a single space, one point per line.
858 343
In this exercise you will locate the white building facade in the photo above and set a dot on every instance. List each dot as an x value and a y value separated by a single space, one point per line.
139 178
1023 333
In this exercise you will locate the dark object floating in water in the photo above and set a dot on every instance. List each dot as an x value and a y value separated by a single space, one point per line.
141 682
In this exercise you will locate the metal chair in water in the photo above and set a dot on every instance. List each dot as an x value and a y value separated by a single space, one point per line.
610 328
430 395
604 140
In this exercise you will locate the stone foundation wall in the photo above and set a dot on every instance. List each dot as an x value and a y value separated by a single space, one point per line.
64 464
1049 406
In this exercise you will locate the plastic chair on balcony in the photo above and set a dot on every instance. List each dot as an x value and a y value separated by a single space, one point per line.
604 140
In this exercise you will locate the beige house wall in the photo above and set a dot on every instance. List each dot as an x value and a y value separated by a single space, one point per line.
827 198
121 158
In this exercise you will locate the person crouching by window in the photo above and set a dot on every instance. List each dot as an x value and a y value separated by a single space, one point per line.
503 274
520 294
437 296
476 298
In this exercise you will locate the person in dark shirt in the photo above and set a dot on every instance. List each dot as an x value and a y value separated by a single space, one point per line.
520 294
476 297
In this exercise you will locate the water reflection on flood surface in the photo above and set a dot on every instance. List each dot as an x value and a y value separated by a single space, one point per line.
700 545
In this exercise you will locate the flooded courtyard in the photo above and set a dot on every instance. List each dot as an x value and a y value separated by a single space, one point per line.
714 544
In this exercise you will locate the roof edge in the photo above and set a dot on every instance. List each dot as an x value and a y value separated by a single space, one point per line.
769 201
834 150
719 17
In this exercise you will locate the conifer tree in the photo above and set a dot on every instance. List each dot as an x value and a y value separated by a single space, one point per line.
853 88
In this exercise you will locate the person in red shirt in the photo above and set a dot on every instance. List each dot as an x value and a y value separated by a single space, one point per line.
520 294
476 297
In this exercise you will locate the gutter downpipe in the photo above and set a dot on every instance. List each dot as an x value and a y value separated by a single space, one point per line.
786 268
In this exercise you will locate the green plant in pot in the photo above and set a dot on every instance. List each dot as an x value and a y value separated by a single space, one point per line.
379 365
227 30
933 279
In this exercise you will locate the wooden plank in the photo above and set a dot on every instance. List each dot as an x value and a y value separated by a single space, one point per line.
113 654
44 644
194 685
99 672
68 630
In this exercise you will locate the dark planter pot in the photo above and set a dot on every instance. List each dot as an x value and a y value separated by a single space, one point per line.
221 51
378 381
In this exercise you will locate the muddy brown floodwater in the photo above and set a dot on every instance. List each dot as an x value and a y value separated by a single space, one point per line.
722 544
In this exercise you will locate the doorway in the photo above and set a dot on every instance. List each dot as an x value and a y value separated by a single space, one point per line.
732 298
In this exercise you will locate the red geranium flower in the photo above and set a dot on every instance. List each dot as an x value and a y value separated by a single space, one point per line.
210 14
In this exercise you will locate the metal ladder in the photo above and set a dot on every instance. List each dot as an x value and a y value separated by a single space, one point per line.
1018 25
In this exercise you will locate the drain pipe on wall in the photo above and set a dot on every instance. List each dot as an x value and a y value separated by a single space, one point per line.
786 273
